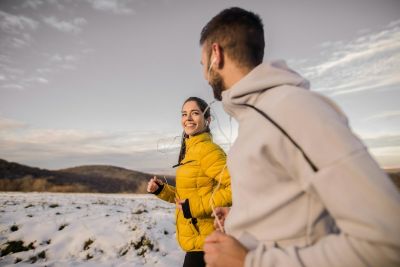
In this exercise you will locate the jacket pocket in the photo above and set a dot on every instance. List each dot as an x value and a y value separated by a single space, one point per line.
193 225
205 226
188 234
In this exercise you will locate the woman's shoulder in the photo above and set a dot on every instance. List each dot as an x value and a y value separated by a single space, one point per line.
209 147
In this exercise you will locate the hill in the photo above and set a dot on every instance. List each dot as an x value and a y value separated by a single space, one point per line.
395 175
95 179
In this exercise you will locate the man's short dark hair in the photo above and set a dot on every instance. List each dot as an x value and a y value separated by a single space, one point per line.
240 34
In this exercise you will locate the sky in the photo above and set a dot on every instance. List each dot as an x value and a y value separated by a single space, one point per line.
103 82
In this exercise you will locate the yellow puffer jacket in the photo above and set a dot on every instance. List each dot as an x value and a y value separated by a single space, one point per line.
197 176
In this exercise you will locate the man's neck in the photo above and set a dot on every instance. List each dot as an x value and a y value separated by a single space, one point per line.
232 74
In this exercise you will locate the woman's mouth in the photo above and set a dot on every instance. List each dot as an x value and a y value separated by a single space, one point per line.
190 125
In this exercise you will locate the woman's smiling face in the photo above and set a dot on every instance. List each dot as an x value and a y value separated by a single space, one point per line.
192 120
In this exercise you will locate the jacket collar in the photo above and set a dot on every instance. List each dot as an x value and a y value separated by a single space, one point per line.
197 139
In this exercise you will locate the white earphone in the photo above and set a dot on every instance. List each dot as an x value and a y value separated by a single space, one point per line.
209 69
212 62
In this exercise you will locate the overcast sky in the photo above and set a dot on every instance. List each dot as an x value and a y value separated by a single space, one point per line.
102 82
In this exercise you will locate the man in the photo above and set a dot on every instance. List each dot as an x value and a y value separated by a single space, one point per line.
305 190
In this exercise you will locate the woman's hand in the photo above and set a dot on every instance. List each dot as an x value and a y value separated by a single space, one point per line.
220 214
153 184
179 203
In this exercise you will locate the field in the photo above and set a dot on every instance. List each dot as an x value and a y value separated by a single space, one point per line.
56 229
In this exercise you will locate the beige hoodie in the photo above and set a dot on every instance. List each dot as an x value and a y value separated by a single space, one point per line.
345 214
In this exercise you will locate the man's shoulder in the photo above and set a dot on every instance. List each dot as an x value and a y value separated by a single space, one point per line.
296 100
288 93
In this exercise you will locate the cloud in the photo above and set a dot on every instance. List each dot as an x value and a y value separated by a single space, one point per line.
22 69
368 62
14 30
384 145
64 58
24 63
18 42
7 124
115 6
22 83
62 62
56 147
38 80
33 3
15 23
153 152
387 157
13 86
11 75
43 70
394 23
73 26
384 115
382 140
14 78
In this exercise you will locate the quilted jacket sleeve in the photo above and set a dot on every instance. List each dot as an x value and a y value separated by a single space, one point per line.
213 164
167 193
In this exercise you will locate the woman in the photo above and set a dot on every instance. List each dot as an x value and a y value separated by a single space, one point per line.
202 182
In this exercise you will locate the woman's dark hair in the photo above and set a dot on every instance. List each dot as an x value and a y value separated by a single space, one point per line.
206 111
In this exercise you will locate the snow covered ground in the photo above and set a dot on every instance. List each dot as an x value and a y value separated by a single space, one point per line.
87 230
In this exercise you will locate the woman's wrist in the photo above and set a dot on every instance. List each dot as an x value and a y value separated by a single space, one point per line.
159 189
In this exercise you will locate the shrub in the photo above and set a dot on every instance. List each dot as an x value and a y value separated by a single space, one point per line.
87 244
42 255
143 245
62 226
15 247
14 228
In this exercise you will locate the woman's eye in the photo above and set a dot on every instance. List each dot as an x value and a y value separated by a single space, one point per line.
183 115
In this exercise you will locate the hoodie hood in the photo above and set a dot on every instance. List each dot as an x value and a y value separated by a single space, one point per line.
263 77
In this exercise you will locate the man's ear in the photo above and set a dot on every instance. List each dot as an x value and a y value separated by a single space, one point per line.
217 54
